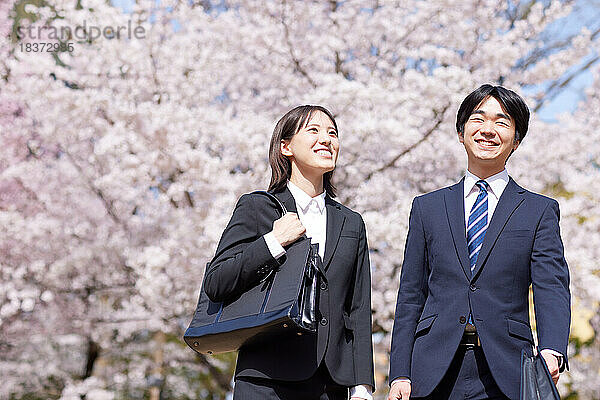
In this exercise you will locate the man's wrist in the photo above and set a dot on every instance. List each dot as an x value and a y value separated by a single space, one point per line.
400 379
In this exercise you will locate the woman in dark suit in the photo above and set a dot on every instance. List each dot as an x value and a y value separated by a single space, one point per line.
337 361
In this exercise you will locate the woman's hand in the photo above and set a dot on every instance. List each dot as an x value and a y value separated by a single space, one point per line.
288 229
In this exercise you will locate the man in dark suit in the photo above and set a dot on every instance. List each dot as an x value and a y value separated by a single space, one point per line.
473 250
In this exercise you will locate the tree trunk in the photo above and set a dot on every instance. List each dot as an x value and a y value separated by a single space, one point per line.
157 379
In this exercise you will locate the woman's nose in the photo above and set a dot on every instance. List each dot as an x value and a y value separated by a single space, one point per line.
324 138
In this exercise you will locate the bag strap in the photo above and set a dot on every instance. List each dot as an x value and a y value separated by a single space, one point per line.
274 199
284 211
281 209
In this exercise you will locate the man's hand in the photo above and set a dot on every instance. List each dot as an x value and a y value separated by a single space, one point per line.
552 363
399 390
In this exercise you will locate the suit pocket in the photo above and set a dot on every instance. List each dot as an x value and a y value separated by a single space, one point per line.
424 325
519 329
517 233
348 324
348 328
348 233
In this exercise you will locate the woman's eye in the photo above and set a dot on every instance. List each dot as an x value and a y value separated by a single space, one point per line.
313 130
333 133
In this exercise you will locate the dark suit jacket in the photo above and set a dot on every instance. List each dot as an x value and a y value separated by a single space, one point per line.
522 247
343 338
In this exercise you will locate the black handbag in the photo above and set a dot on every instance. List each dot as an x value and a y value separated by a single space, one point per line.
285 300
536 381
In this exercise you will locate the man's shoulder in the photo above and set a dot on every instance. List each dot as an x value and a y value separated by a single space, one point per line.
439 194
534 197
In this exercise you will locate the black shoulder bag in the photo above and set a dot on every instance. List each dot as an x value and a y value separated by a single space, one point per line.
285 300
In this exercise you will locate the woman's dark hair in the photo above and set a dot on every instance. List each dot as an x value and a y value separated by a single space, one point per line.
511 102
288 126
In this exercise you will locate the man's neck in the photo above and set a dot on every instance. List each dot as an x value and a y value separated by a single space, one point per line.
484 172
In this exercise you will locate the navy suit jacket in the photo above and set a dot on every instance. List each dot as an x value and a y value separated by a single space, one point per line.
522 247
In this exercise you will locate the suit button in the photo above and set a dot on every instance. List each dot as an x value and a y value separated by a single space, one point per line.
323 286
462 319
323 321
473 288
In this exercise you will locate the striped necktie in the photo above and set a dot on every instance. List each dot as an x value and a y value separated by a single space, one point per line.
477 223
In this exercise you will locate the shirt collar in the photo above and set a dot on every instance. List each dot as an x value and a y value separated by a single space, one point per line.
496 183
303 200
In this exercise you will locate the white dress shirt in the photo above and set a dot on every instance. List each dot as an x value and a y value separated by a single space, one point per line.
313 216
496 185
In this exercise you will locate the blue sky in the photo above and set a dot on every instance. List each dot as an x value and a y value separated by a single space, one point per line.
585 13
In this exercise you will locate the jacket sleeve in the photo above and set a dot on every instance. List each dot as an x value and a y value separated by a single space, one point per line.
550 283
360 314
242 257
412 294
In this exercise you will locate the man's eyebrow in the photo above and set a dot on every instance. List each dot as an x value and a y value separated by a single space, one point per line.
498 115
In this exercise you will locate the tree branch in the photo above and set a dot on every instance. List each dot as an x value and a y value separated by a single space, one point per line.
555 88
295 59
440 115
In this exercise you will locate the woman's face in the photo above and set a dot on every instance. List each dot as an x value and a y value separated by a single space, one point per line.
314 148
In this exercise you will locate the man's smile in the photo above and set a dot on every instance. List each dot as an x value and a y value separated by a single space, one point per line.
486 143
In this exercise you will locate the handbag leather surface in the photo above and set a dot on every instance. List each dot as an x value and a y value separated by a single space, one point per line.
287 299
536 381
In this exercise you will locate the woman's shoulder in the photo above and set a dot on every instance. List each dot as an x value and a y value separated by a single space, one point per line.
346 211
258 200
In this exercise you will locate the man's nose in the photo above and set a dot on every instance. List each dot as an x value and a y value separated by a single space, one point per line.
487 127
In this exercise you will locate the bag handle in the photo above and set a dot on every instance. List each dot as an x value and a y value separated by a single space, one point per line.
281 209
274 199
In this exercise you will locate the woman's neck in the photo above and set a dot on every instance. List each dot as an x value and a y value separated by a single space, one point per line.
311 186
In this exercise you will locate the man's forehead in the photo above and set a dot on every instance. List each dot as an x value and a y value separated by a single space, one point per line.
498 115
493 103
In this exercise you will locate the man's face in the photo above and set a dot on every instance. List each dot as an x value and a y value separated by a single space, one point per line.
488 137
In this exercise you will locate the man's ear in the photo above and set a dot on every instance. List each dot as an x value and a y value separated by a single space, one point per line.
285 148
515 145
461 137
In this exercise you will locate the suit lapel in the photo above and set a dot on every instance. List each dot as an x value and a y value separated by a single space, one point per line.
455 210
335 221
508 202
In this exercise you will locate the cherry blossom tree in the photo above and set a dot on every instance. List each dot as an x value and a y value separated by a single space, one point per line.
123 158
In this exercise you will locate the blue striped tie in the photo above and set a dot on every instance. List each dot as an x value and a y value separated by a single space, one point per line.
477 224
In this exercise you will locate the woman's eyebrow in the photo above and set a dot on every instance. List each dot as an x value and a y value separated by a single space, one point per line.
330 127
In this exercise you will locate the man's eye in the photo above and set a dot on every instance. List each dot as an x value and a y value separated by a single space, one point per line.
502 123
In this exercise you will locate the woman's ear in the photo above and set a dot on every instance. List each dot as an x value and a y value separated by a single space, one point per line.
285 148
